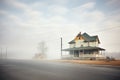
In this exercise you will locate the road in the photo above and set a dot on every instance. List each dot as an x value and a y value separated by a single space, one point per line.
48 70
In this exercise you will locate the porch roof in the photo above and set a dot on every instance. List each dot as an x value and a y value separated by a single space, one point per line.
83 48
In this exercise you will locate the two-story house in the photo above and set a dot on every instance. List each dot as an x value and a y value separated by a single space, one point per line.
84 46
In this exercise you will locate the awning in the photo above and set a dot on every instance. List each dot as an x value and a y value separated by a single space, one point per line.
83 48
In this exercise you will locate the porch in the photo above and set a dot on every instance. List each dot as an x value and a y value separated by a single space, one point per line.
85 53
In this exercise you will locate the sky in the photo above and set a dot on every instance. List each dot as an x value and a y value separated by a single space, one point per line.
25 23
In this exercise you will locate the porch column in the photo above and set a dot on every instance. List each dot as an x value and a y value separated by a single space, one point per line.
83 54
83 51
98 53
73 53
101 52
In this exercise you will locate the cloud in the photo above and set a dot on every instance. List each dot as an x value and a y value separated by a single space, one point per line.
16 4
48 22
113 2
85 7
2 12
57 10
57 20
34 14
39 4
62 2
89 5
87 16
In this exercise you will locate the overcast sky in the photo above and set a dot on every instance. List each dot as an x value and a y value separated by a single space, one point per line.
25 23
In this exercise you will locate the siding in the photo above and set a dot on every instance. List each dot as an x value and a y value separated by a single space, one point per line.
72 45
79 43
93 44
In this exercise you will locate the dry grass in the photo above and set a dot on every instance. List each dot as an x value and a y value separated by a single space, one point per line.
113 63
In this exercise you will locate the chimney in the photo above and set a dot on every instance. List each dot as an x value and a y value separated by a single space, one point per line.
79 34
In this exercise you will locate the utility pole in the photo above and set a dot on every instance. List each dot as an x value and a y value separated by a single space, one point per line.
61 47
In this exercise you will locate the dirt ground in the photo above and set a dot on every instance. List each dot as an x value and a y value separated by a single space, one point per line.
113 63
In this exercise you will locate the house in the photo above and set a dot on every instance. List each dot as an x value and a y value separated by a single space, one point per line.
84 46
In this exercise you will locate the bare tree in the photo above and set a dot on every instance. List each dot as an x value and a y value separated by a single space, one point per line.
42 48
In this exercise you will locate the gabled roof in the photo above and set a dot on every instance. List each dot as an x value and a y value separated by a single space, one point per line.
90 38
86 37
73 41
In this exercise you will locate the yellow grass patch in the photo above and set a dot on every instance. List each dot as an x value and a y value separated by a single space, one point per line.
113 63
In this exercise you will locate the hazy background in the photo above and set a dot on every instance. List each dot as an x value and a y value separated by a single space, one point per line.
25 23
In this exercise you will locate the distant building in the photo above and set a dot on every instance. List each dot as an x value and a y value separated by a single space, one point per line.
84 46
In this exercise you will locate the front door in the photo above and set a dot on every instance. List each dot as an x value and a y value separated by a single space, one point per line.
76 53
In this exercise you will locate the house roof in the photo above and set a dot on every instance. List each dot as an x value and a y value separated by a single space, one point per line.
73 41
86 37
89 38
83 48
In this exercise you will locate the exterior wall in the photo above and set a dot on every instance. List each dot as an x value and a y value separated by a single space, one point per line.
93 44
72 45
79 43
97 43
85 44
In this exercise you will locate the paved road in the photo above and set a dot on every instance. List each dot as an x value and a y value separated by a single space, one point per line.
46 70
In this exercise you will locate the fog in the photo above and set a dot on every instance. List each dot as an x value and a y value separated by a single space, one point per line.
23 24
